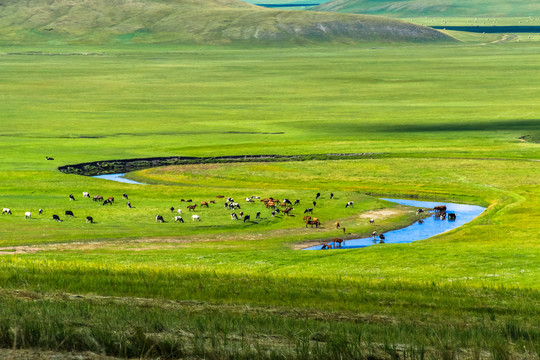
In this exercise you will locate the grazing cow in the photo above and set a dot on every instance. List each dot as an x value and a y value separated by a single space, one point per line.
40 211
318 195
27 215
220 196
49 158
85 194
255 197
287 201
250 200
313 222
350 203
235 205
172 208
56 218
371 221
192 207
337 225
451 216
296 202
204 203
419 211
338 242
124 196
159 218
98 198
331 196
6 211
128 204
247 218
180 211
71 197
381 238
374 234
195 218
241 214
69 213
314 204
343 230
230 199
258 216
234 216
111 199
89 219
308 210
274 213
179 219
189 200
107 202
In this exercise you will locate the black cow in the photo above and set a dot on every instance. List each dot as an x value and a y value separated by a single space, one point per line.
159 218
172 208
89 219
247 218
69 213
128 204
296 202
331 196
125 196
314 204
234 216
108 201
318 195
40 211
308 210
56 217
71 197
258 215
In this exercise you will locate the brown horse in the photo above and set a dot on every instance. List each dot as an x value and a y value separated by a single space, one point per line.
338 242
192 207
204 203
326 246
313 222
337 225
287 210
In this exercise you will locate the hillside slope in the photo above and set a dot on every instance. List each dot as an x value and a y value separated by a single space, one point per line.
415 8
190 21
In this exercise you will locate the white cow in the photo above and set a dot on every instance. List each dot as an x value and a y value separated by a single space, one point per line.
195 218
350 203
180 211
178 218
6 211
28 215
85 194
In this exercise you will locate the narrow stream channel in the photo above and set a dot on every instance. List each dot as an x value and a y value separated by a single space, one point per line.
430 226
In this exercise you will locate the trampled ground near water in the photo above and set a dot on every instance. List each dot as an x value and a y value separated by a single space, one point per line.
442 122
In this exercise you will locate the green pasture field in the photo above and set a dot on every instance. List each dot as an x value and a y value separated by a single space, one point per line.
441 122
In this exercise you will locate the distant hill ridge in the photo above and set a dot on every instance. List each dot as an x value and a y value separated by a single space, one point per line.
191 21
450 8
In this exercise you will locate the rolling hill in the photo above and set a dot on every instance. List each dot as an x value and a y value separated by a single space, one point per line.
190 21
451 8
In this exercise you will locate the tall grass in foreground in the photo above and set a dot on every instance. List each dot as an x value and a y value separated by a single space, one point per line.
172 313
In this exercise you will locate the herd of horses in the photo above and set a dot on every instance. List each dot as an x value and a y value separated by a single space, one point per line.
276 206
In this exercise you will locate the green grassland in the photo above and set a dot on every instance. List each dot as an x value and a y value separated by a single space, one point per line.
443 122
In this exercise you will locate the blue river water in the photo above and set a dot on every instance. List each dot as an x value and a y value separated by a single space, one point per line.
430 226
117 177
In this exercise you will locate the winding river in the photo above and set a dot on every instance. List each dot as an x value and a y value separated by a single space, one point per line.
430 226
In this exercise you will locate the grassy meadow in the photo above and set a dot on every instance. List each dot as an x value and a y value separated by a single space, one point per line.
447 122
